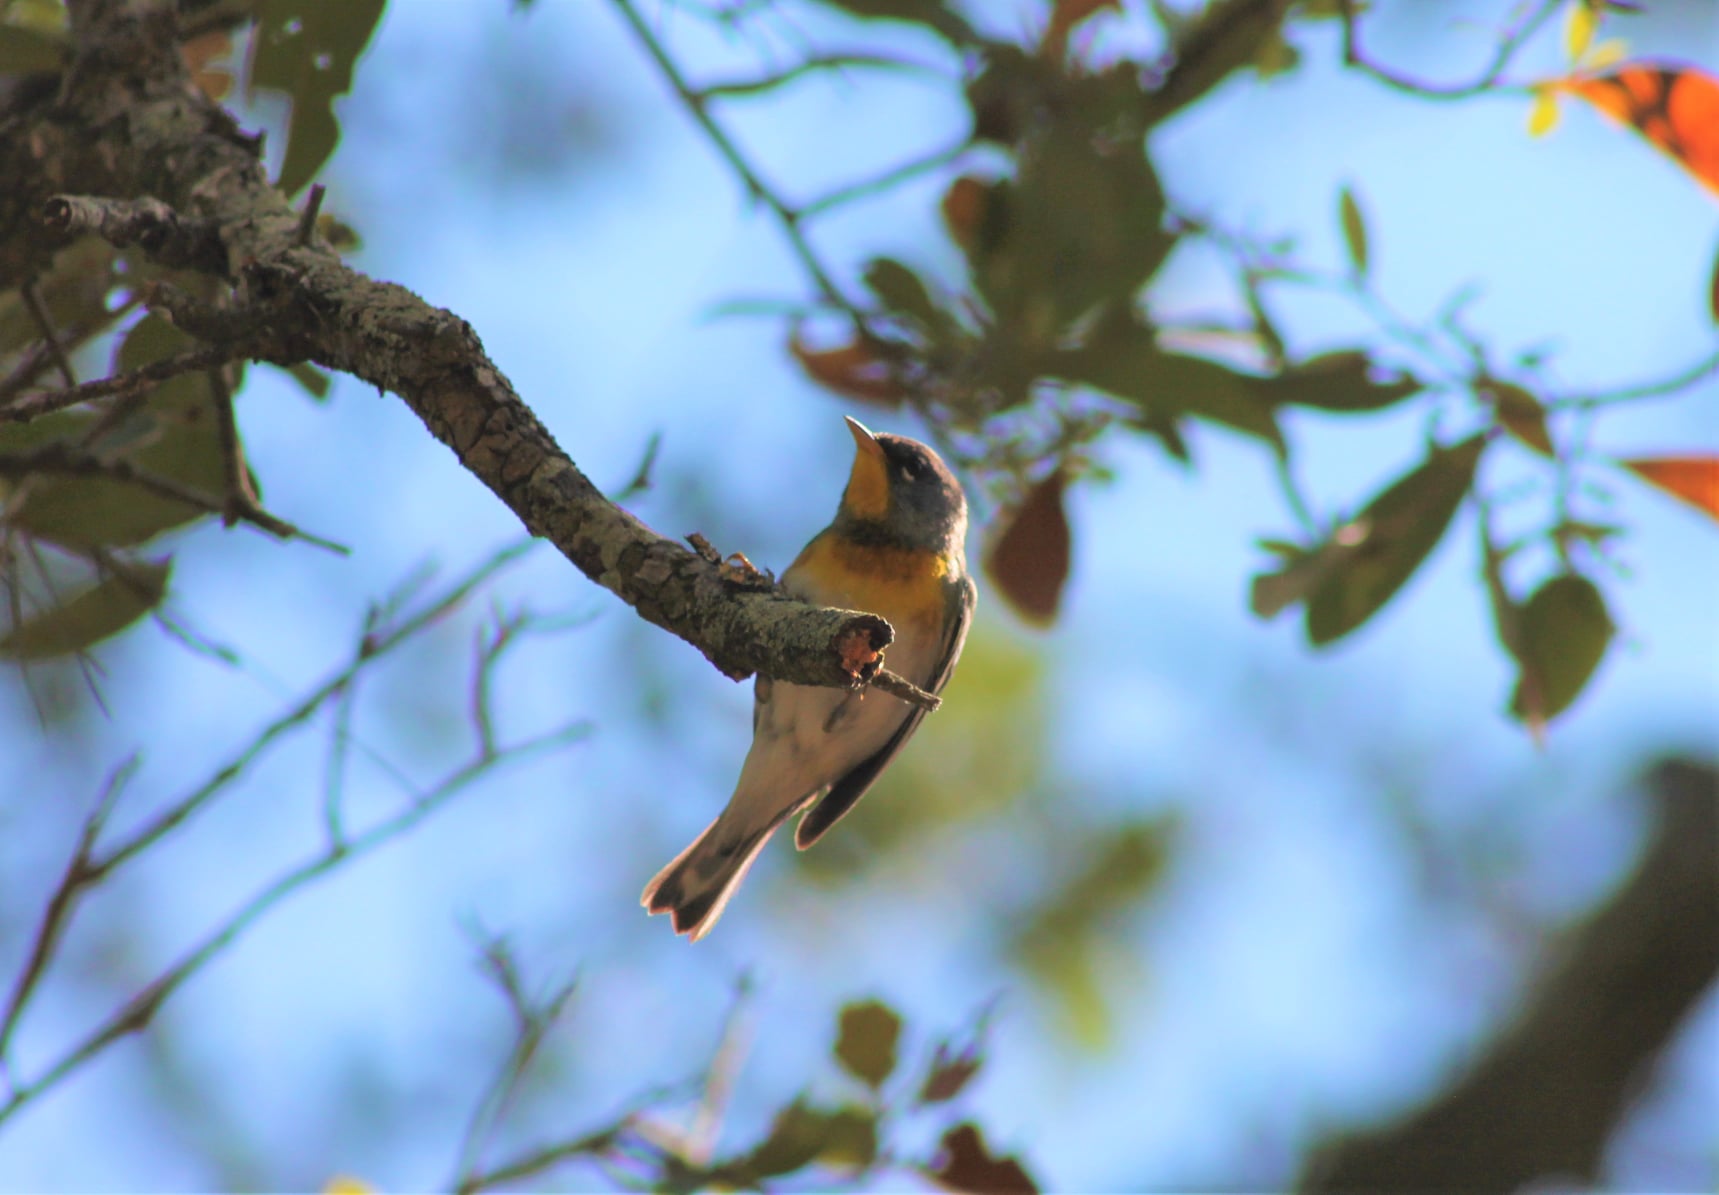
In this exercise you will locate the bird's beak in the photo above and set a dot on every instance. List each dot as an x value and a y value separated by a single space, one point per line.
867 495
863 439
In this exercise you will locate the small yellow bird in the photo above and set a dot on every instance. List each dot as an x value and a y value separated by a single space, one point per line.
896 548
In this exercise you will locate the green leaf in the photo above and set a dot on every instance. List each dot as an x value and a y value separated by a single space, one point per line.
307 49
1339 381
1383 545
932 14
1229 35
74 291
173 435
1522 415
904 293
26 51
1354 230
1303 572
801 1135
865 1044
1127 362
103 610
1564 630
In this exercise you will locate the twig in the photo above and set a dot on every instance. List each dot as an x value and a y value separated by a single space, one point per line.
62 458
533 1019
39 312
307 218
786 215
182 242
889 178
31 406
738 88
77 876
902 688
1660 389
238 500
1488 80
370 648
137 1012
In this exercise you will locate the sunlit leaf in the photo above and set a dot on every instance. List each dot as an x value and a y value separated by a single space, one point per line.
965 1164
1067 943
1028 555
1543 115
1564 630
1384 544
856 370
1675 107
1579 26
214 81
1354 229
105 609
1694 479
866 1041
307 49
27 51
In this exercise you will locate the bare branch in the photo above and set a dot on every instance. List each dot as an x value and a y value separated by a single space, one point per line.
38 310
1489 80
132 381
177 241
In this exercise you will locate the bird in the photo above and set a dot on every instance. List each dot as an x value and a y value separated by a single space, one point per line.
897 549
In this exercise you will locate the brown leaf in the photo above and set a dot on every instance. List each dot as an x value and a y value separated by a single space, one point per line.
950 1072
856 370
1065 15
1694 479
965 1164
1028 557
1522 415
964 209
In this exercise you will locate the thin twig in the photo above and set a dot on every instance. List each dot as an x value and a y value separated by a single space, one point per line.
64 459
32 296
883 182
740 88
77 876
137 1012
905 690
786 215
1489 80
30 406
1663 388
307 218
239 499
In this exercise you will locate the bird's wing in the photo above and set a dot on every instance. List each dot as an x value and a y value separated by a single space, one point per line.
847 791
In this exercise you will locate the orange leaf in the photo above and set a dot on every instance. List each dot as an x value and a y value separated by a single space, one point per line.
1675 107
216 82
856 370
1028 560
1695 479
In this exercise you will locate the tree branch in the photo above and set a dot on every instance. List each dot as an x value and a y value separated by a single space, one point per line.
304 303
1543 1102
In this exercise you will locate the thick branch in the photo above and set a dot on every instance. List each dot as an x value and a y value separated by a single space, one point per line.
1543 1102
127 125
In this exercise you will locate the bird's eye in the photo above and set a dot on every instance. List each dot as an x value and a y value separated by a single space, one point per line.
910 470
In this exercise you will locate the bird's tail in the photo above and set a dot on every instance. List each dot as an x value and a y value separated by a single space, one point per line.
695 887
